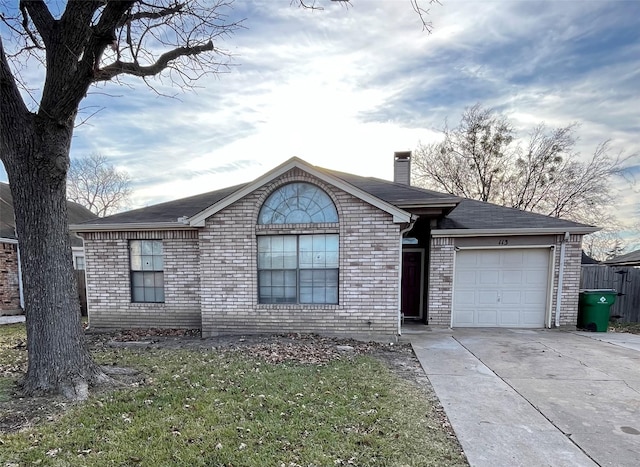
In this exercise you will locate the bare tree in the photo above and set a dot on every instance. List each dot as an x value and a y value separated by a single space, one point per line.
482 159
470 160
97 185
81 43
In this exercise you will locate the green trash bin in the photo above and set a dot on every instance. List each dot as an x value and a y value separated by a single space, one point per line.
593 309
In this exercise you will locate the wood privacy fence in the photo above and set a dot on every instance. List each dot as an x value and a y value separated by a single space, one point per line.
82 291
625 280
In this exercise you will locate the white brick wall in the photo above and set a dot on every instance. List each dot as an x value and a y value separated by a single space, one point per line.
369 262
108 281
211 274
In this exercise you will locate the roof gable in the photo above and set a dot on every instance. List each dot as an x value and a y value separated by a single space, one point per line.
399 215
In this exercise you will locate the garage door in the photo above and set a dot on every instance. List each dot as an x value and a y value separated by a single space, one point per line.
501 288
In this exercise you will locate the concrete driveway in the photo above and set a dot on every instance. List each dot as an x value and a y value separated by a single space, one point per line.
537 397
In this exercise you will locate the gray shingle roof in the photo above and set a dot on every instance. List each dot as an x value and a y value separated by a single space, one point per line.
473 214
169 211
469 214
630 259
76 213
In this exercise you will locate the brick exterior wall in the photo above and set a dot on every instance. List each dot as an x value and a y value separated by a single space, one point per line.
109 289
211 274
440 294
442 270
571 281
9 281
368 281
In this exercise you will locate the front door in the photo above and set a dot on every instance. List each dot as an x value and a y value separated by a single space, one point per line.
412 280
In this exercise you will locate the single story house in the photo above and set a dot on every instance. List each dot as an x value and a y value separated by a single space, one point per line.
306 249
11 295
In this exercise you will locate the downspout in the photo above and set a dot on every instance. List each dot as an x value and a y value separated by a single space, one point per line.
402 232
563 246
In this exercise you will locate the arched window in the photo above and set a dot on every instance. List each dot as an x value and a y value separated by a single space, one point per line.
298 268
298 203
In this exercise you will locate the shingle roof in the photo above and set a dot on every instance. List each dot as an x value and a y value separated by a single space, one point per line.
473 214
469 214
76 213
397 194
630 259
169 211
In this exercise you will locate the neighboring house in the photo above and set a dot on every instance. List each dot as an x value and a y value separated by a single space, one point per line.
630 259
306 249
11 300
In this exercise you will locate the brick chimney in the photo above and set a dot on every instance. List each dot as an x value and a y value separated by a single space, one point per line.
402 167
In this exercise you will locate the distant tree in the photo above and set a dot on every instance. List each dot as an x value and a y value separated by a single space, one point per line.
483 159
616 249
599 245
97 185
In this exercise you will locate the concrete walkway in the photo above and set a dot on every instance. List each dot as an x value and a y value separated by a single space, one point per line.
537 398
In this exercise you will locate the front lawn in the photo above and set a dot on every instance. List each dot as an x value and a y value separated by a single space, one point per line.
231 408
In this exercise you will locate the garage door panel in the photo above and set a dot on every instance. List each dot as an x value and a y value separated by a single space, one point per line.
536 277
490 277
512 277
537 259
487 317
464 318
501 287
468 278
512 297
509 318
535 297
487 297
465 298
467 261
515 259
488 260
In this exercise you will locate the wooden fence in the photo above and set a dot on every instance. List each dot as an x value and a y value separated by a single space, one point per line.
625 280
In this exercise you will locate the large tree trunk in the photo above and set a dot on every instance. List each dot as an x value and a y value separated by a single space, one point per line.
58 358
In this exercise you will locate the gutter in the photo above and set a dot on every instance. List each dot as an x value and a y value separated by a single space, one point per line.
131 226
513 231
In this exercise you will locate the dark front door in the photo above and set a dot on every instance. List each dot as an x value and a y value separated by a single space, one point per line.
411 283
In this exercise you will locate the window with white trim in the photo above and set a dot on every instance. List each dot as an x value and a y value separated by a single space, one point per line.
147 271
298 268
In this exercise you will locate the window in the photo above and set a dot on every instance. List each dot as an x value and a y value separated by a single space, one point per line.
298 203
79 262
298 269
147 271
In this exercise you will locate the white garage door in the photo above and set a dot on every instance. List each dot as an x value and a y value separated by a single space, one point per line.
501 288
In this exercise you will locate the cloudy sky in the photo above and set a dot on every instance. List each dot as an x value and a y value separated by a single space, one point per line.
345 87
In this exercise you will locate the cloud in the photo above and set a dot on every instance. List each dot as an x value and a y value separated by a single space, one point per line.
347 86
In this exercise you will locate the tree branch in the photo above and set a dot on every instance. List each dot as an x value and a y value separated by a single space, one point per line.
118 67
12 105
43 21
177 8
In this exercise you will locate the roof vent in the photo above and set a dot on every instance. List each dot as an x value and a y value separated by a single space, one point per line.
402 167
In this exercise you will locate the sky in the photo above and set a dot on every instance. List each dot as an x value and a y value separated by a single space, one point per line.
345 87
